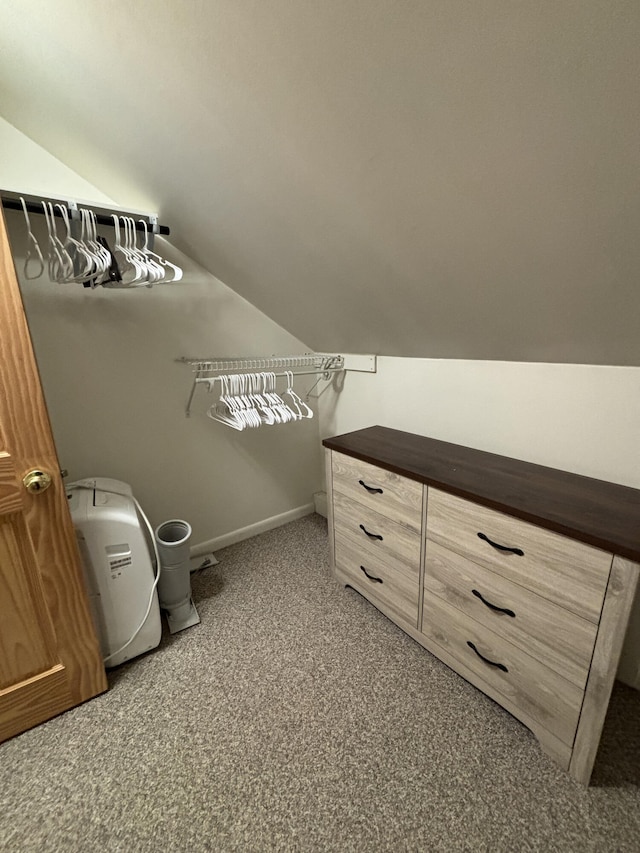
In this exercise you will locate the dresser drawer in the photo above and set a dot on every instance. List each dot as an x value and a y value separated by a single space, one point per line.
557 638
364 526
568 573
537 691
396 497
390 583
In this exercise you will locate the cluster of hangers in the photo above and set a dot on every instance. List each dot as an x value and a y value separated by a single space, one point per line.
250 400
87 257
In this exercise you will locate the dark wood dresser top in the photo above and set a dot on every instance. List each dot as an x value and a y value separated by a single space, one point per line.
599 513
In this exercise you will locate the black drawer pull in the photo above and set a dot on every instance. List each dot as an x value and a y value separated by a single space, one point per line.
371 577
517 551
370 535
486 660
492 606
371 489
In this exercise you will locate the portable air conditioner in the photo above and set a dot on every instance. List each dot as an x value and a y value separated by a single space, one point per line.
117 566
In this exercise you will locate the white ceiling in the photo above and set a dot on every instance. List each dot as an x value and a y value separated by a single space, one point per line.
429 178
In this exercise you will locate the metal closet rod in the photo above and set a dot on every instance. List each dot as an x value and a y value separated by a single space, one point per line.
318 370
13 203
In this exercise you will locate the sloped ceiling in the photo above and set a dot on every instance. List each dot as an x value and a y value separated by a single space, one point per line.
430 178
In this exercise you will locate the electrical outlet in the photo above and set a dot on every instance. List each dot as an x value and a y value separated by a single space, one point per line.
203 561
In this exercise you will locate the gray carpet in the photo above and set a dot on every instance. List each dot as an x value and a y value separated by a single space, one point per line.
297 718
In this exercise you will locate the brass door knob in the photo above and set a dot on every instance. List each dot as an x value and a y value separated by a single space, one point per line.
37 481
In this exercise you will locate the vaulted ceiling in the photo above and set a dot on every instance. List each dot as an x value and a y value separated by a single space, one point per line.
429 178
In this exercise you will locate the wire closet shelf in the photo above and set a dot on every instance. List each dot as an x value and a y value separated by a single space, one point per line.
207 370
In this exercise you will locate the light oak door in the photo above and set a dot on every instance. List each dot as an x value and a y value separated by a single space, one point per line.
49 656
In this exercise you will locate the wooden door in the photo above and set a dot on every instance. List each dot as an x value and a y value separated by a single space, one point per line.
49 655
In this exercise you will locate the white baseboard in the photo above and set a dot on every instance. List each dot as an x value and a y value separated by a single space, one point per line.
251 530
320 502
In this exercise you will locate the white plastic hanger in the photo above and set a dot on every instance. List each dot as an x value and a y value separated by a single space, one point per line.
285 413
60 263
97 264
308 413
248 400
150 271
82 260
155 271
103 257
261 405
167 267
130 269
245 405
136 257
32 246
229 415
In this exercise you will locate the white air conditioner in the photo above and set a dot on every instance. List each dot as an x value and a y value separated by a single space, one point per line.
118 568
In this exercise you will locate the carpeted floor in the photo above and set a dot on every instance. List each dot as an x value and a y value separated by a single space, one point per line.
297 718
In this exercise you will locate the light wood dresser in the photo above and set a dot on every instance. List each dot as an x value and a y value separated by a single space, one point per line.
521 578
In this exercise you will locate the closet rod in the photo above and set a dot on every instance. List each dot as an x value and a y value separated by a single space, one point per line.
211 379
13 203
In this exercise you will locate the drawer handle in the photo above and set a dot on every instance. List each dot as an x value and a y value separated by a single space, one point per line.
486 660
371 489
371 577
370 535
492 606
517 551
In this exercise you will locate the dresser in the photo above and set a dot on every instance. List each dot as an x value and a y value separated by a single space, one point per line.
519 577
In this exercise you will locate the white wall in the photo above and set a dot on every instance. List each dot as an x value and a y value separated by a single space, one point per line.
579 418
116 397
